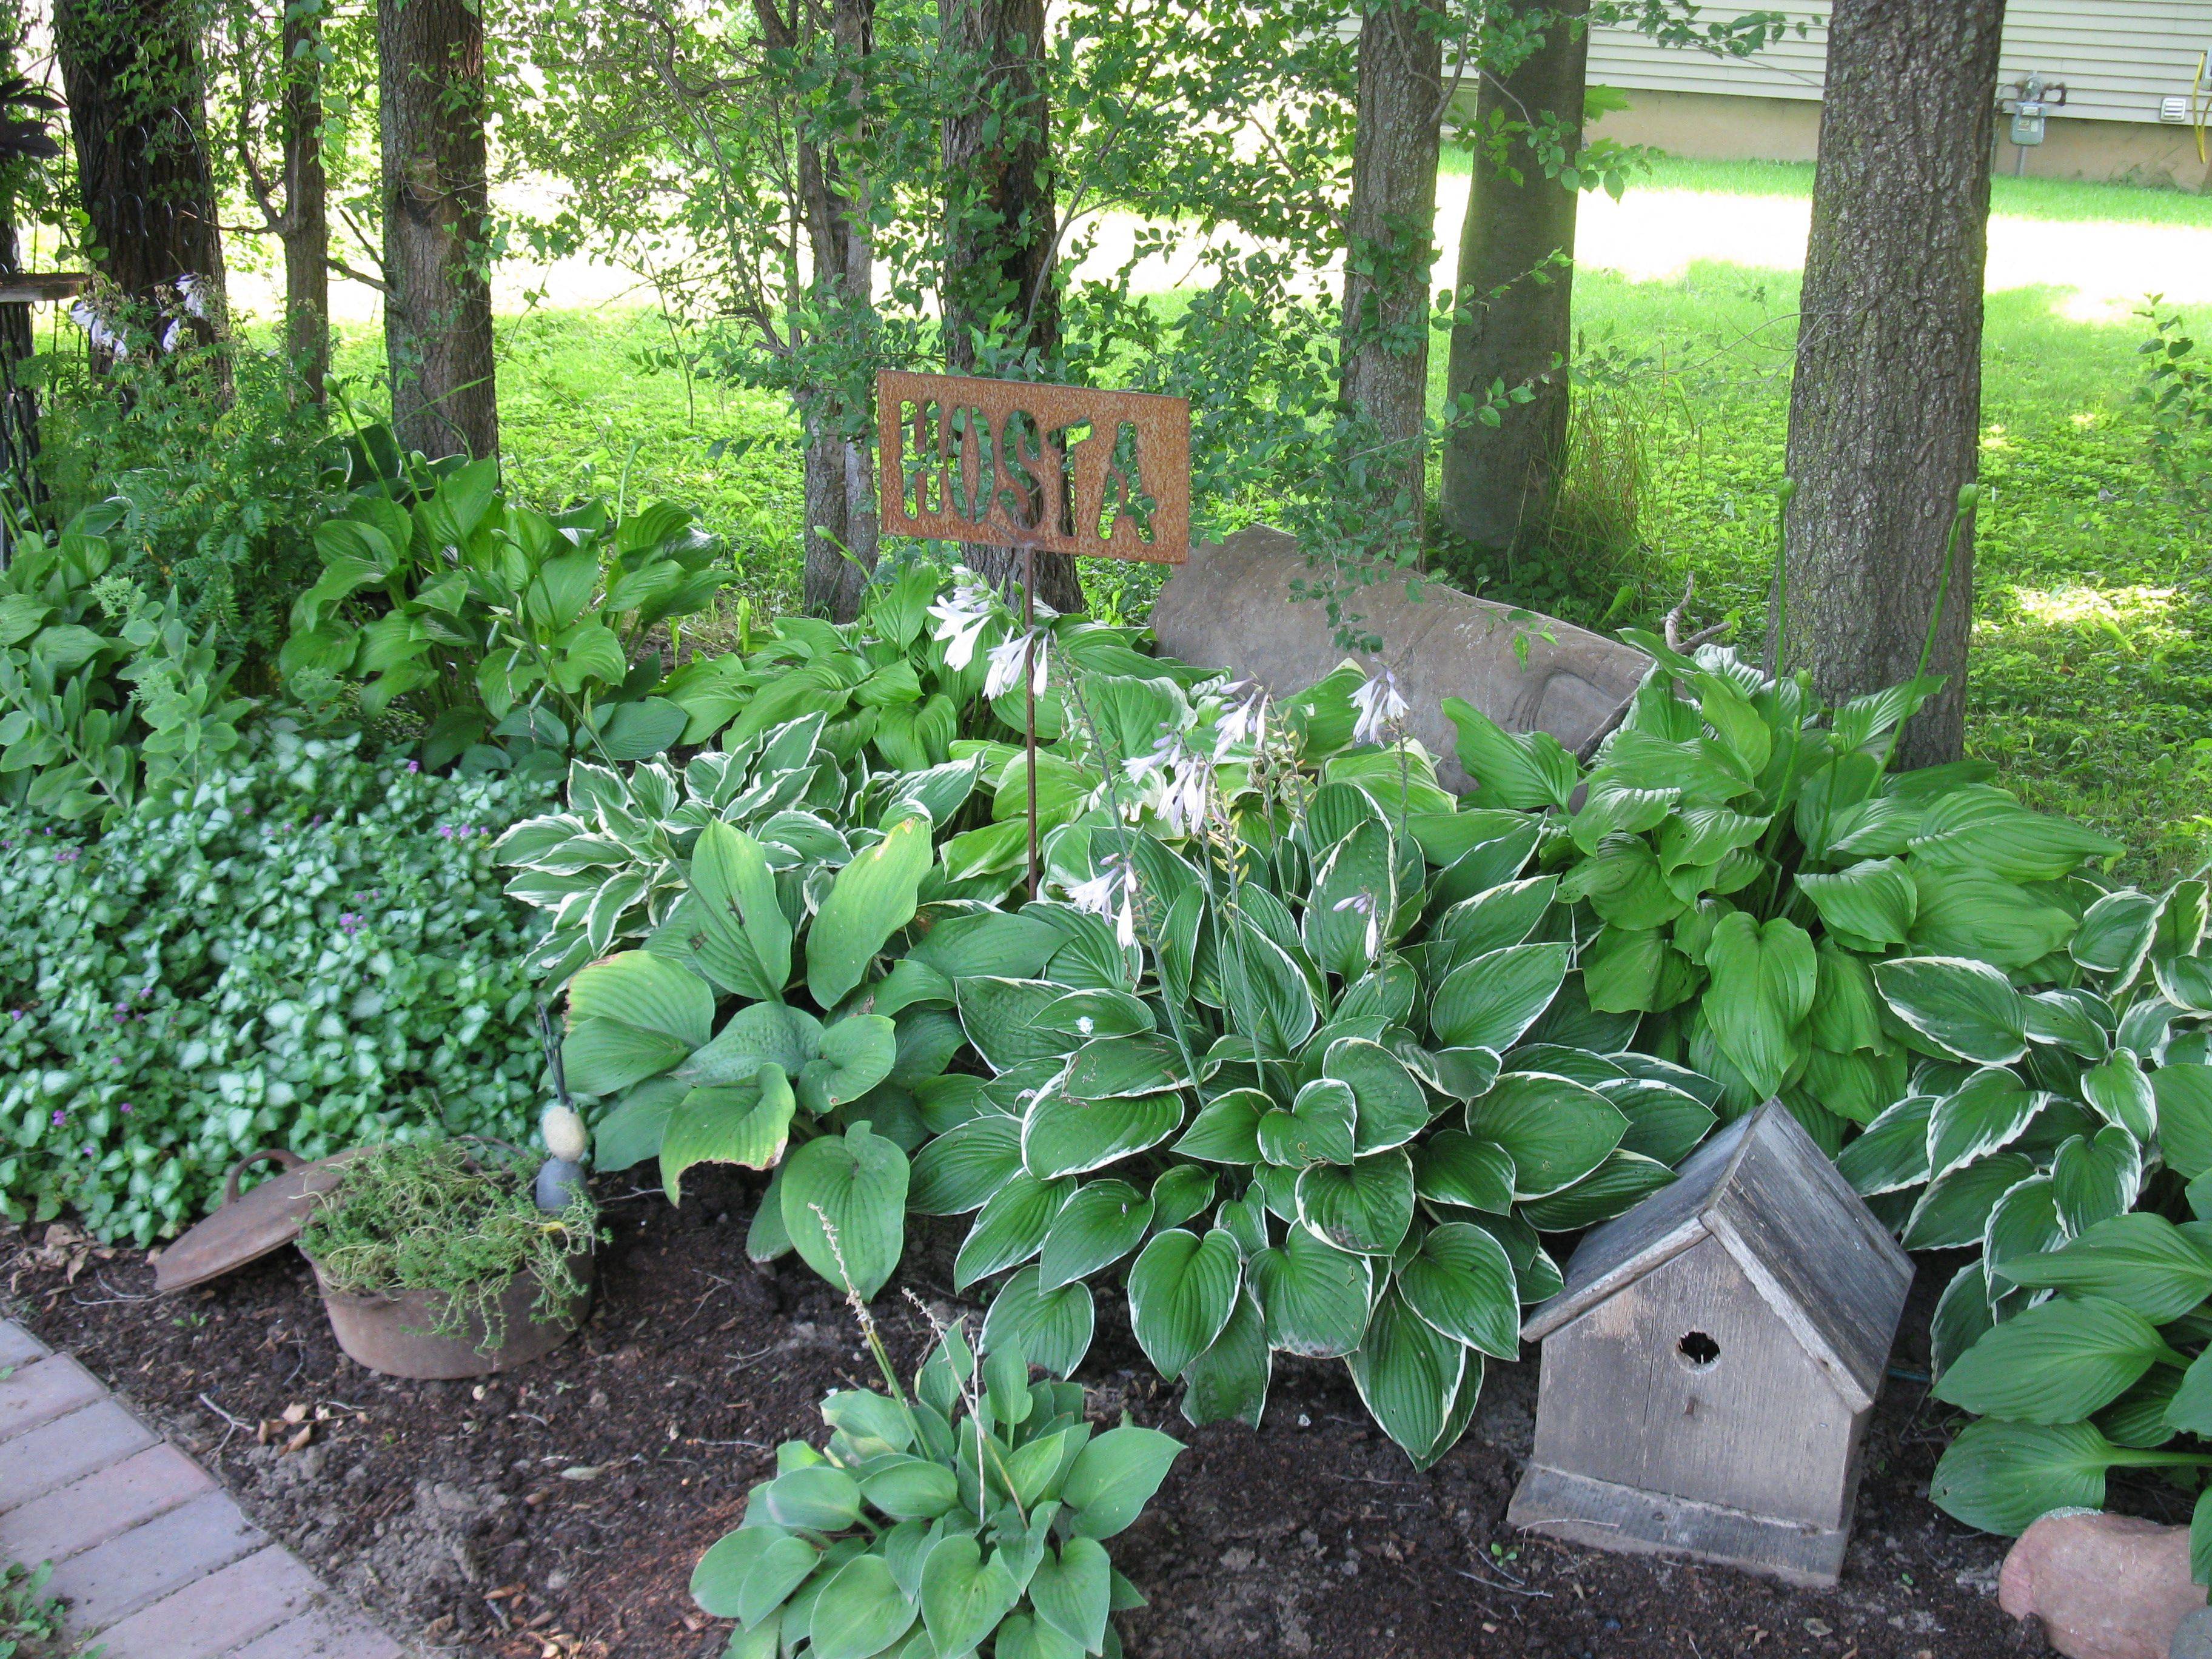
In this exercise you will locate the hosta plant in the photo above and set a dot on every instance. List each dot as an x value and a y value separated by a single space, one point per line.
513 636
610 868
1312 1084
967 1515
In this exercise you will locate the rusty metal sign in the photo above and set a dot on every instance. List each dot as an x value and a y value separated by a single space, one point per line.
1054 469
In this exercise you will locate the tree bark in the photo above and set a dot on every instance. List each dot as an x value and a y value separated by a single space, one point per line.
437 312
1391 235
307 223
1516 286
1002 227
131 71
1885 410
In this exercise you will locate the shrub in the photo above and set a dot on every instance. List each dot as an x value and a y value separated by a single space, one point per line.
311 949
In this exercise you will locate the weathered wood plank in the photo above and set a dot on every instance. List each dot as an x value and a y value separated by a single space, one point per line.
1599 1515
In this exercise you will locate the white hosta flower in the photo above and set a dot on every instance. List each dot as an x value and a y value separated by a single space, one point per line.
1183 805
1112 893
1379 709
1006 660
961 619
192 291
103 336
1246 723
173 336
1363 903
1142 769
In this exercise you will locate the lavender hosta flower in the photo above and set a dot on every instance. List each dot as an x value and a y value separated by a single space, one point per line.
1363 904
1246 723
961 620
1006 660
103 334
1380 708
1112 893
174 336
192 293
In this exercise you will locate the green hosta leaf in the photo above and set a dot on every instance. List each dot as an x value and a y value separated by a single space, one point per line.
757 1034
1073 1591
747 1124
1502 916
1893 1151
1961 1317
1392 1109
964 1597
1106 1068
2122 1094
1010 1228
1099 1225
2001 1476
1113 1477
1523 771
856 1183
1953 1210
1983 916
1181 1191
1317 1129
1452 1167
1874 900
1315 1299
747 1575
1984 829
960 1170
1227 1128
1408 1375
1354 895
1488 1002
1615 811
641 990
1365 1208
910 1488
1762 989
1622 969
1556 1132
632 1131
1664 1123
2055 1363
2182 1095
1182 1290
871 898
1846 1013
858 1052
2142 1261
1053 1327
1989 1111
1607 1191
2023 1225
1062 1135
2190 1411
603 1057
814 1497
1964 1007
1229 1379
2115 934
1460 1281
2096 1179
744 938
2069 1019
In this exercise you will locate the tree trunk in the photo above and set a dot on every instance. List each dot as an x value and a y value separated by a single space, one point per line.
131 70
437 314
306 221
19 401
1885 410
1516 289
840 473
1001 230
1392 236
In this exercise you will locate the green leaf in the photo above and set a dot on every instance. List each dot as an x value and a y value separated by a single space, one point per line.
637 989
1891 1153
1488 1002
1182 1289
871 898
2183 1096
1064 1136
1317 1129
910 1488
856 1183
1555 1131
1366 1208
1607 1191
1314 1299
2055 1363
1010 1229
1357 882
1525 771
2115 934
1460 1281
603 1057
1229 1379
1408 1375
1985 830
858 1052
632 1131
1874 900
1967 1008
2001 1476
1963 913
1052 1327
1763 978
1099 1225
2120 1093
1504 915
862 1611
1072 1591
960 1170
758 1033
1989 1111
1227 1128
745 941
2142 1261
1953 1210
963 1598
1113 1477
1664 1123
748 1573
747 1124
815 1497
1391 1108
1107 1067
2096 1179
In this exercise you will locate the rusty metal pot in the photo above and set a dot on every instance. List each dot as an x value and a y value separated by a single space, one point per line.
391 1333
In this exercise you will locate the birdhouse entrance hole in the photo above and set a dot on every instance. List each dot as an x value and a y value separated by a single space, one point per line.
1697 1350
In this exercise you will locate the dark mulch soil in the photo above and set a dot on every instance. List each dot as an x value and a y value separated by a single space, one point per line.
555 1513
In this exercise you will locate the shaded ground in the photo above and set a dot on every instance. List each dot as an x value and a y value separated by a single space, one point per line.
556 1514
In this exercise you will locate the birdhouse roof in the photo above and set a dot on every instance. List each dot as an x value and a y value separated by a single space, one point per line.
1772 1198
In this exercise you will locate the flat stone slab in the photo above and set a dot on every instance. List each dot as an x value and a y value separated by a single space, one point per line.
150 1556
1230 607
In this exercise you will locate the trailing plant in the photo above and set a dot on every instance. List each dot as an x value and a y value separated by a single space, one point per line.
514 638
451 1217
309 949
1319 1079
2176 390
89 719
971 1512
611 868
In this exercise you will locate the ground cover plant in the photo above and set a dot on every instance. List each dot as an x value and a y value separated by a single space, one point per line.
30 1620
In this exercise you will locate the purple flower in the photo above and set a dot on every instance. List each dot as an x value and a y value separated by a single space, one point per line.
125 1108
414 766
67 855
351 923
87 1149
315 820
61 1117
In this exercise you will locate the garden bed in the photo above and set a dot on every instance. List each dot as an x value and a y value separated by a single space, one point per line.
559 1511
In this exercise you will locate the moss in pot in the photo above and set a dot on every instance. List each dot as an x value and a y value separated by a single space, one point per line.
436 1261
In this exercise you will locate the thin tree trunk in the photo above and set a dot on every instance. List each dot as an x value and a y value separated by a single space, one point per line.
1516 275
1392 226
307 234
19 403
1885 410
437 314
1001 229
131 70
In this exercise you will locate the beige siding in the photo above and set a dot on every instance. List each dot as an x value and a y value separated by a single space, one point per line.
2117 58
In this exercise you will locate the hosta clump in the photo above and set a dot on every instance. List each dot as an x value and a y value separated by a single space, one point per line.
1315 1085
966 1515
611 869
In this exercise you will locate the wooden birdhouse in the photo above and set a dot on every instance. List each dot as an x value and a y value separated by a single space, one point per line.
1710 1367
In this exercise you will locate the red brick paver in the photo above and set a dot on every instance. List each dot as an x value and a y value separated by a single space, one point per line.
151 1558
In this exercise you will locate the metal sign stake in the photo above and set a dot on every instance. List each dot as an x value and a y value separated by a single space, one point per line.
1029 703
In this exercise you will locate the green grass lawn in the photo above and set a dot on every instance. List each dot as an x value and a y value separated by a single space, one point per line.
2092 675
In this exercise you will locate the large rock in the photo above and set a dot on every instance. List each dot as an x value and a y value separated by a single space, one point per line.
2105 1586
1230 607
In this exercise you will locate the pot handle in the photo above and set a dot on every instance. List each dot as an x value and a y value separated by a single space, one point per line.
289 1160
